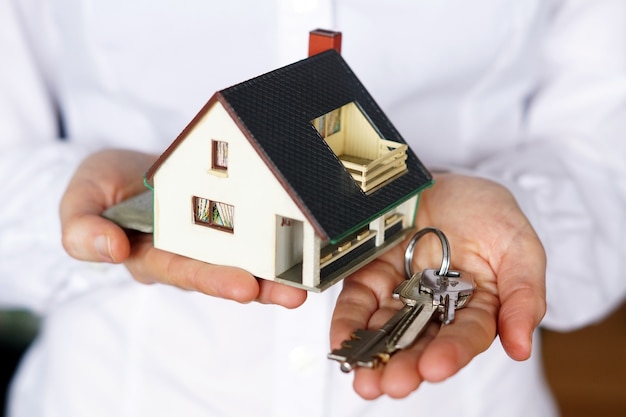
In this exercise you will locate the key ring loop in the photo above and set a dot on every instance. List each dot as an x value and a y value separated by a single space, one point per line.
445 247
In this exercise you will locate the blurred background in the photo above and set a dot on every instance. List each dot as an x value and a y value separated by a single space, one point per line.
17 330
586 368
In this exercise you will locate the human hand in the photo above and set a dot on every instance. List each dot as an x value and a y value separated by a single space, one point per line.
109 177
489 238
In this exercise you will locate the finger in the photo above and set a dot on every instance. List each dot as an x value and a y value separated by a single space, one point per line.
367 382
85 234
365 301
471 333
521 284
103 179
149 265
521 312
436 355
91 237
275 293
355 305
401 375
517 323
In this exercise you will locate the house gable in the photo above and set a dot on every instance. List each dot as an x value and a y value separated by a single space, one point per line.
248 198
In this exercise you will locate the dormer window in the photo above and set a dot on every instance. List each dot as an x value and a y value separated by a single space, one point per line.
328 124
370 159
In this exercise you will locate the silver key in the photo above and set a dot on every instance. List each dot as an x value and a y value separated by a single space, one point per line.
423 294
369 348
423 309
445 293
450 292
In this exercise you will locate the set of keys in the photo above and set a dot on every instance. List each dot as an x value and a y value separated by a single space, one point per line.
424 294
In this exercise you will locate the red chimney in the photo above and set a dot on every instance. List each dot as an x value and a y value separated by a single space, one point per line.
321 40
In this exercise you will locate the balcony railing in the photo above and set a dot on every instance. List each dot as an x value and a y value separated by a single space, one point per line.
370 174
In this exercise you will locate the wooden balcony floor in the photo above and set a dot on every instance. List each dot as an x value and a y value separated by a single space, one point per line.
355 159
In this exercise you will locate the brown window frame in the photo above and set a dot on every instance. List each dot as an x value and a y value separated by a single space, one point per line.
208 220
216 164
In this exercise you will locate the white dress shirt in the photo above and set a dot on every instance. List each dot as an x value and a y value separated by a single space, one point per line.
530 93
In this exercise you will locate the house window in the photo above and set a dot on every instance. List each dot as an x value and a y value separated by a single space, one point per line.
219 160
329 123
213 214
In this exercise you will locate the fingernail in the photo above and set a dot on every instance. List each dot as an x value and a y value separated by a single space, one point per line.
103 247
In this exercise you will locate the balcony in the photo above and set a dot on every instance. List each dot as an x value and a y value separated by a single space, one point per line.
370 174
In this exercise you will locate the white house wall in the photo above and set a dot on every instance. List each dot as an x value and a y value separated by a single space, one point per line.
361 138
249 186
356 137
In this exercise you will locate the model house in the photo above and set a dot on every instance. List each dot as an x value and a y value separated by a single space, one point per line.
296 176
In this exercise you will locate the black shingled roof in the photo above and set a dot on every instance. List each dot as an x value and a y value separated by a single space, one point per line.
275 111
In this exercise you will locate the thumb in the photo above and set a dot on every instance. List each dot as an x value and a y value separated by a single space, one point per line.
521 283
103 179
92 238
85 234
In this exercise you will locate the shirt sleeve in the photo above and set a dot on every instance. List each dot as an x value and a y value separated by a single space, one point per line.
569 173
35 167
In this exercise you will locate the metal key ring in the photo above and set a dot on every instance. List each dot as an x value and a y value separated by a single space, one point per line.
445 246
